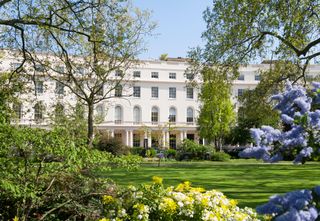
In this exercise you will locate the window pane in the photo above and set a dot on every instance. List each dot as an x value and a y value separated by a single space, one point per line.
241 77
59 88
154 75
154 114
190 92
118 91
39 87
257 77
118 115
136 91
172 114
136 115
189 115
136 74
172 92
155 92
172 75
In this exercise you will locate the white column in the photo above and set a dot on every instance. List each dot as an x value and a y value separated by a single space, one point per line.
168 138
185 134
163 139
149 139
127 138
112 133
181 136
130 138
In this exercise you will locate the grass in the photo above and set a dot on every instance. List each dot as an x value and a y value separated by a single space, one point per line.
248 181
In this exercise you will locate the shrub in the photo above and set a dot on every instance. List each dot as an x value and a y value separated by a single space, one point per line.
189 150
151 152
183 202
112 145
220 156
140 151
45 173
171 153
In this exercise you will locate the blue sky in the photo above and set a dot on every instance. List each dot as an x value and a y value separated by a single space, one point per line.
180 25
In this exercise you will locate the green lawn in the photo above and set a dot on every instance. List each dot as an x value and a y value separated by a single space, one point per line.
248 181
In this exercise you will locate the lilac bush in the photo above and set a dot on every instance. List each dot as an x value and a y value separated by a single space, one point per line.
300 114
300 205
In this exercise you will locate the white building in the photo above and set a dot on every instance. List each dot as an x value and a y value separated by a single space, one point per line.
162 110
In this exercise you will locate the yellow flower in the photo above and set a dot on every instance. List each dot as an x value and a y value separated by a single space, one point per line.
233 203
15 218
107 199
157 180
183 186
104 219
168 205
198 189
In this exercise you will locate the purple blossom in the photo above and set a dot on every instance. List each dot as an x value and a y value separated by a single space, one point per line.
304 153
286 119
256 152
315 118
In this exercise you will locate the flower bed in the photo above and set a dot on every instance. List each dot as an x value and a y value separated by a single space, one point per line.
184 202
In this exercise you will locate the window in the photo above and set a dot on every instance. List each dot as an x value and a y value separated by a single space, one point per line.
137 74
39 87
154 115
99 111
189 76
136 140
154 92
59 111
118 91
38 111
172 92
59 88
189 92
190 115
172 114
257 77
172 75
154 75
240 92
17 108
119 73
241 77
136 91
136 115
118 115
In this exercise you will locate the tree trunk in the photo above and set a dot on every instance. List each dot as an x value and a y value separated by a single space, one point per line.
90 124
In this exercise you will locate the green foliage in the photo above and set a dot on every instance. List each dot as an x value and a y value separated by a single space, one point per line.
220 156
238 31
170 153
190 150
151 152
140 151
216 114
46 172
112 145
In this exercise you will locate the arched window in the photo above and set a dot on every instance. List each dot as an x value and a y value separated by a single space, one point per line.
136 115
190 116
99 111
38 111
59 111
154 115
172 114
118 115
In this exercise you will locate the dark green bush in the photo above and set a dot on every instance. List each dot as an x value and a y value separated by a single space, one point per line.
190 150
112 145
140 151
220 156
171 153
151 152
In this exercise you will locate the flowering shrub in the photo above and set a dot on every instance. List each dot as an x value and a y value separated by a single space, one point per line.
154 202
300 136
300 205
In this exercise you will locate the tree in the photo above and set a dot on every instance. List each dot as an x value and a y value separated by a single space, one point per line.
85 61
242 31
216 113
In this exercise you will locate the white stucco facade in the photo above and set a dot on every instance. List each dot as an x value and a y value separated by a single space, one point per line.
133 118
